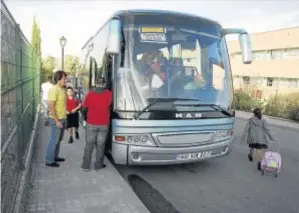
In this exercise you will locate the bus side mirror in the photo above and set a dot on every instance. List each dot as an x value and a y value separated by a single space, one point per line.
114 39
245 45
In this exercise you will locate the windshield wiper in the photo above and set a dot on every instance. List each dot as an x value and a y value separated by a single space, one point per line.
214 106
157 100
224 111
217 108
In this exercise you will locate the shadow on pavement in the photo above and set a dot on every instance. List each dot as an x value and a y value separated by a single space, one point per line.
152 198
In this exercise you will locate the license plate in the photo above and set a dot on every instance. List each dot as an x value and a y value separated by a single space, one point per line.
194 156
153 37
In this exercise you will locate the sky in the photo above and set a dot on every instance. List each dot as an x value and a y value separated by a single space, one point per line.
79 20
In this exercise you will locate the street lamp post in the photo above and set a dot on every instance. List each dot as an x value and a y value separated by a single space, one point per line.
62 44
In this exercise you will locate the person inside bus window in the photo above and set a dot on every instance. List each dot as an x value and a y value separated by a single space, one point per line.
199 80
159 78
151 63
158 65
145 70
145 67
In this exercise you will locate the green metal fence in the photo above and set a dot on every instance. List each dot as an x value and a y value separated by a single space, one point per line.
20 96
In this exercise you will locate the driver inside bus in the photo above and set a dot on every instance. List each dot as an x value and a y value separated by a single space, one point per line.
158 77
152 69
158 65
145 67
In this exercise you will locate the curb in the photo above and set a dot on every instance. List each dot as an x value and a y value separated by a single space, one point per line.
272 117
282 119
145 209
288 124
19 206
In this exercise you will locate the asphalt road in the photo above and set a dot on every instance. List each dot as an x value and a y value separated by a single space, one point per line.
229 184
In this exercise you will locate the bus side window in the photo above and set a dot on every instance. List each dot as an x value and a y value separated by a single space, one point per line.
107 74
92 72
122 55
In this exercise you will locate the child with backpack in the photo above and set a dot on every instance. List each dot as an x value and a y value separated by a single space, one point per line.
255 134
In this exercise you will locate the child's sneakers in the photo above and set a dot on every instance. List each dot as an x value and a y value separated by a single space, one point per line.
250 157
77 135
259 166
71 140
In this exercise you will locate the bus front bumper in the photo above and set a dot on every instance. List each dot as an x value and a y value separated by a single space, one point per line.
141 155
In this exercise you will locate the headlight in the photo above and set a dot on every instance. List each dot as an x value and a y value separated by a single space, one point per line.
222 134
141 140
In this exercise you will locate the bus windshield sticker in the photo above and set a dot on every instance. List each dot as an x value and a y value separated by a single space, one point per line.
153 34
152 30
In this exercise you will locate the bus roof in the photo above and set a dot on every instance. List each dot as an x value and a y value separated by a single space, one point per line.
87 42
141 11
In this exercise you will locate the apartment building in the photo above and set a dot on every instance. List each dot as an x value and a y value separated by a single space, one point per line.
275 66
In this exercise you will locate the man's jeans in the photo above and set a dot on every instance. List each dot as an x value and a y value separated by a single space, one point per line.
95 136
55 140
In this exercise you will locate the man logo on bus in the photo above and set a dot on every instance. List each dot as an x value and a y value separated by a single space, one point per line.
188 115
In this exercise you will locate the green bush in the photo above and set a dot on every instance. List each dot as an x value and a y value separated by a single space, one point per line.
294 114
283 106
244 102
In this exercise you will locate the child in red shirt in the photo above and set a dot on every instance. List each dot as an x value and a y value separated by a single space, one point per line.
72 107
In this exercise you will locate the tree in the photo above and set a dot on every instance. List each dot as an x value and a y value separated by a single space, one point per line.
48 64
71 64
36 38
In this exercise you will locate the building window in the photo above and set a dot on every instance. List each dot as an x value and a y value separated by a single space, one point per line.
269 82
291 53
277 54
261 55
293 83
246 80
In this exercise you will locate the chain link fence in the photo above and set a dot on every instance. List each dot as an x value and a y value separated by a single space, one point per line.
20 92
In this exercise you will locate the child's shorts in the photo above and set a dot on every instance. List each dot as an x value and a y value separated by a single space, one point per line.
258 146
72 120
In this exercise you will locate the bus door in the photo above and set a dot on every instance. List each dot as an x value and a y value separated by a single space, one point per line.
107 72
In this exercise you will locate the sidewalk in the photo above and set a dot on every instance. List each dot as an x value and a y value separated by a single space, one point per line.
68 189
270 120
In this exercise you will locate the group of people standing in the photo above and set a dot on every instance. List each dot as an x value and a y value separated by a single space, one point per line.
73 105
63 107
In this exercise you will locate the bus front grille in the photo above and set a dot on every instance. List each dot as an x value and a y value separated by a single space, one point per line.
184 139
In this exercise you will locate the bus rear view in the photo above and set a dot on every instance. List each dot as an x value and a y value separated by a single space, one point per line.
172 85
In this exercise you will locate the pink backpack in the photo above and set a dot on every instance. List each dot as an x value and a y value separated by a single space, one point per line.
271 162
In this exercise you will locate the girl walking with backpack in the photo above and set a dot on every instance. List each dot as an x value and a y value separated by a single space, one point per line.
255 134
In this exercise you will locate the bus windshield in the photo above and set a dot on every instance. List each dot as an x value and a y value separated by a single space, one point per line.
181 57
